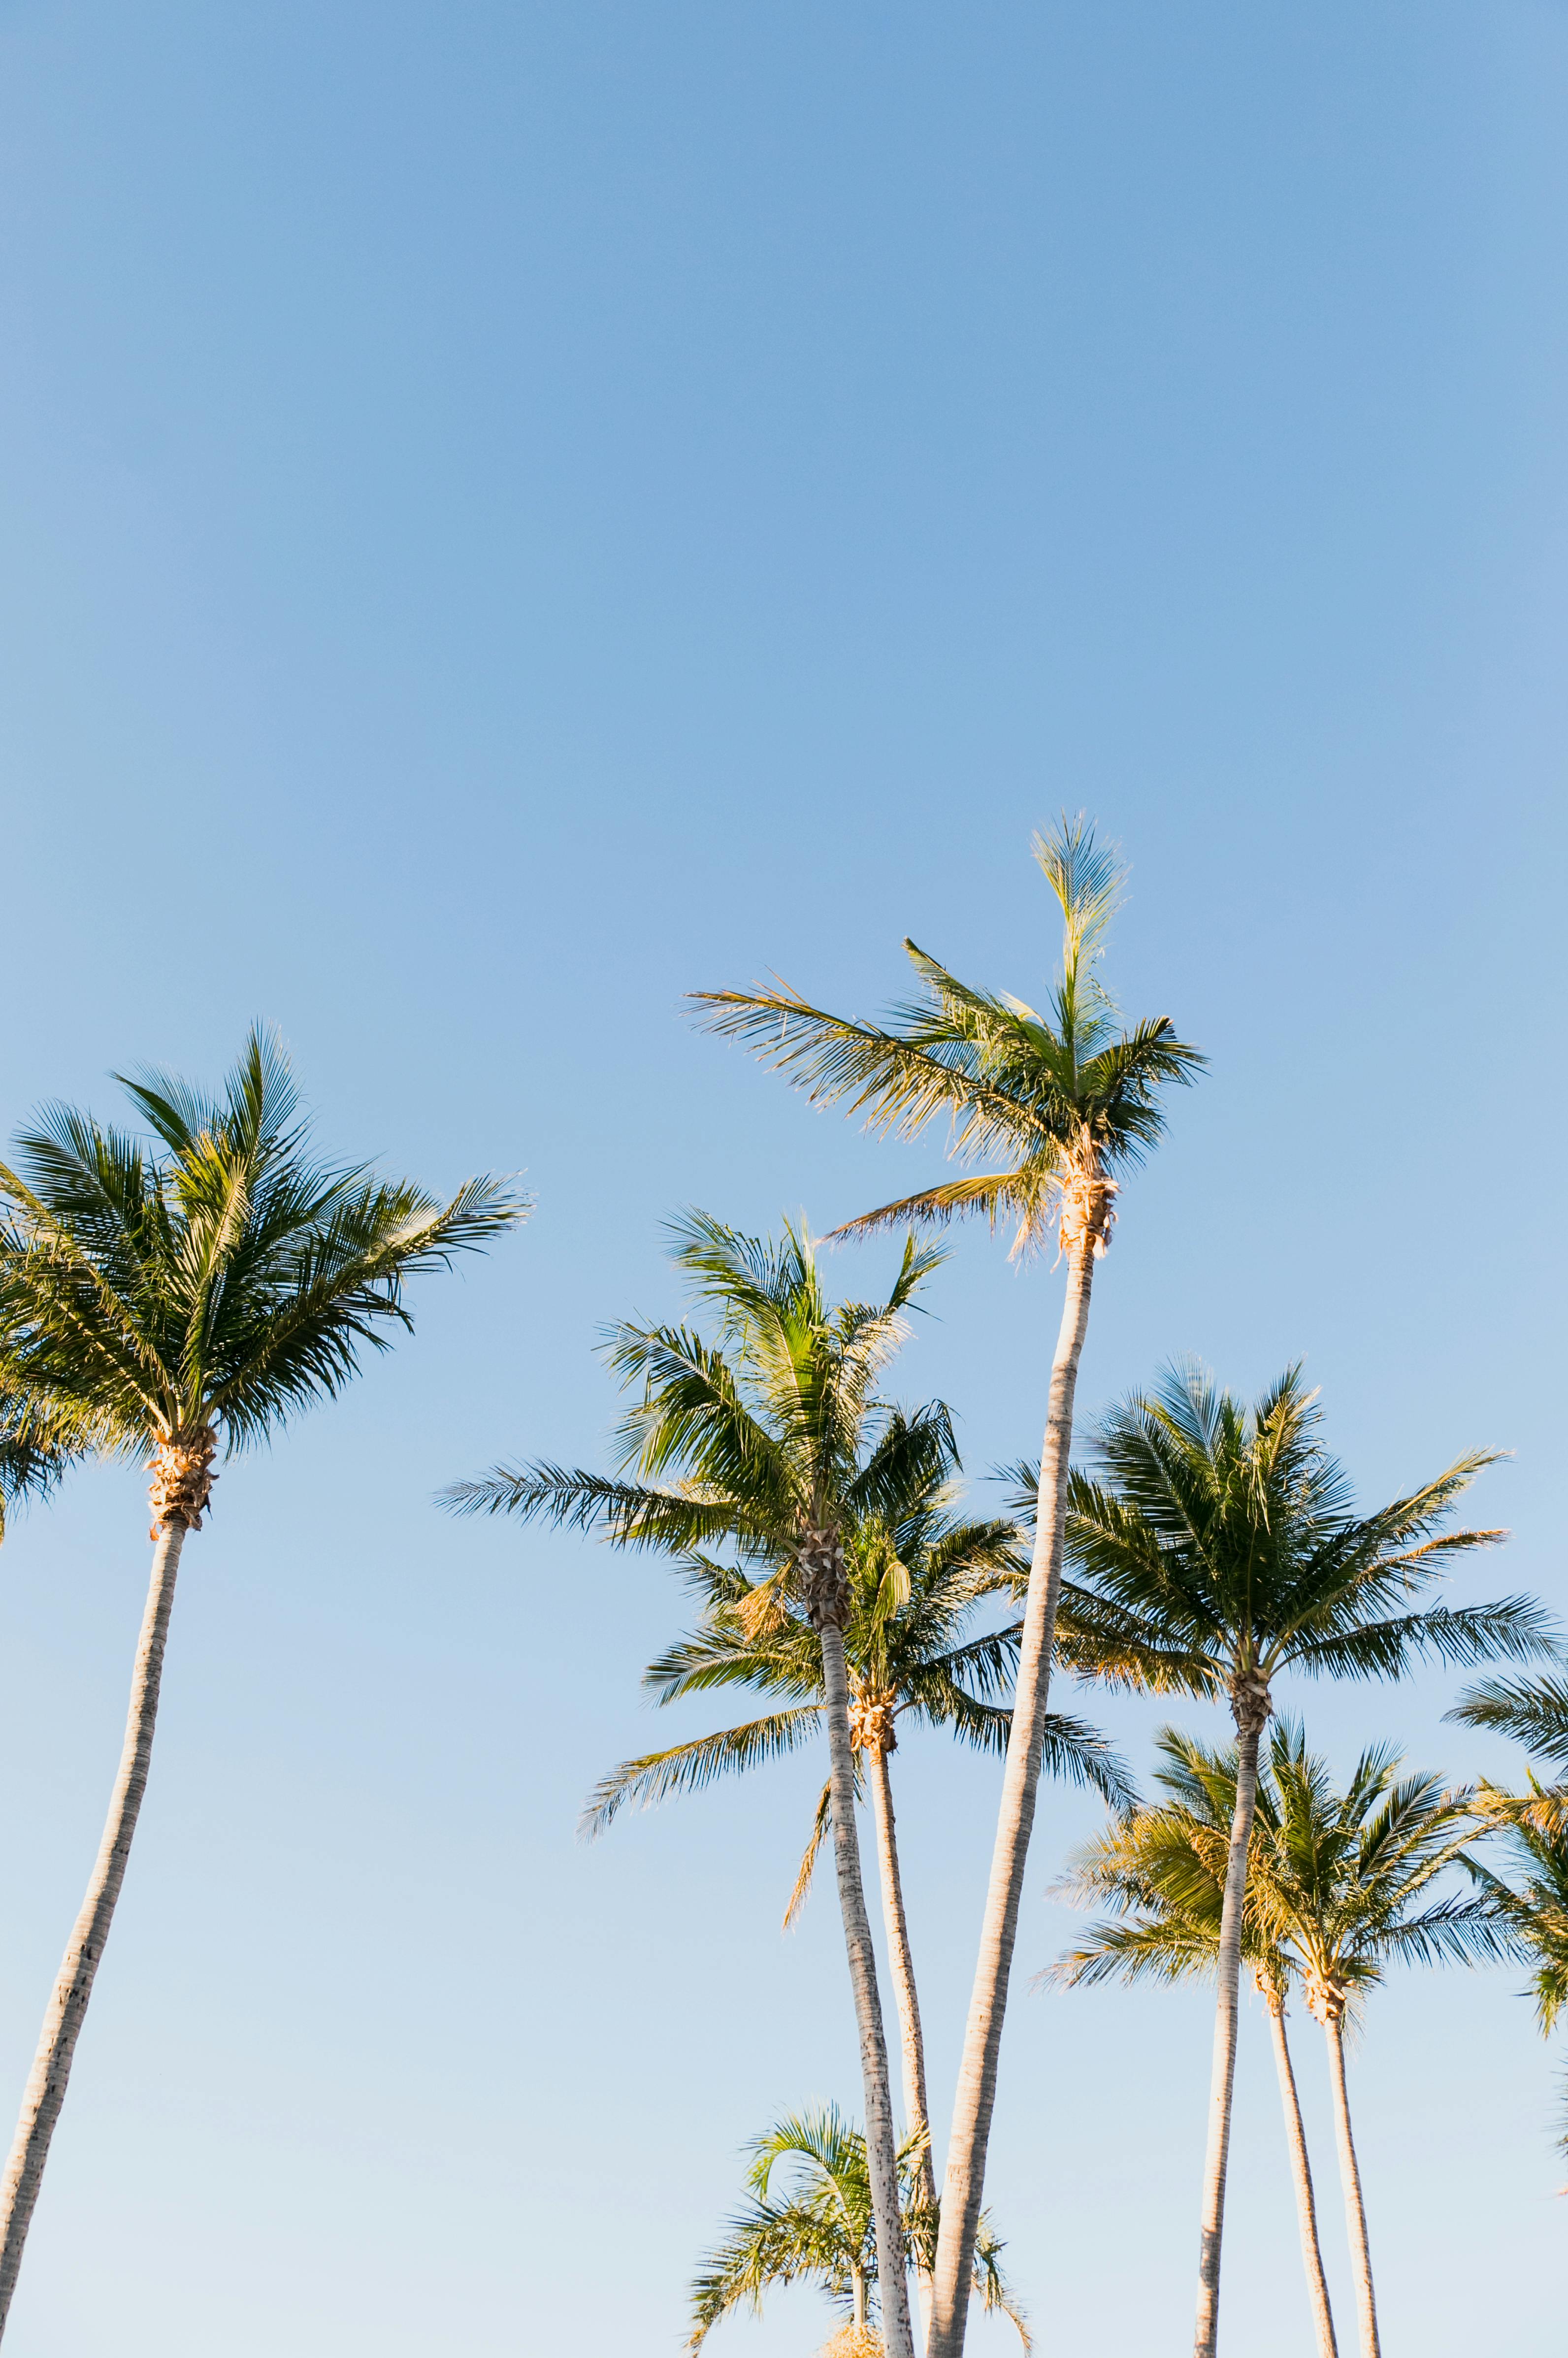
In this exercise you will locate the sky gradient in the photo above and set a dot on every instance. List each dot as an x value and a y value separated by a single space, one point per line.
512 513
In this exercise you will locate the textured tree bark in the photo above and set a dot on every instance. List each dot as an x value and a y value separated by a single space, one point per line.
882 2148
1222 2079
916 2109
1350 2180
68 2006
976 2098
1301 2169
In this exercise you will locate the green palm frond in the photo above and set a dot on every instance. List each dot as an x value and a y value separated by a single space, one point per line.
1534 1712
689 1768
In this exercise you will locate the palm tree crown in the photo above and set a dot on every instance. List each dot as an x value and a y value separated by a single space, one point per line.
220 1282
821 2232
917 1577
1227 1540
1065 1097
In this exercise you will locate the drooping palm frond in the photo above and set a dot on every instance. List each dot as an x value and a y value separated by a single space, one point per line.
1534 1712
38 1442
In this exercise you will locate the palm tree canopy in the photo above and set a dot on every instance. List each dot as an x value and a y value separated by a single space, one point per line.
753 1440
1341 1872
220 1278
1059 1096
821 2229
1531 1911
1225 1540
917 1578
1333 1879
1159 1870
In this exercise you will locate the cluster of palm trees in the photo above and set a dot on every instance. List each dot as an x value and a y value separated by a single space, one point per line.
1206 1547
182 1297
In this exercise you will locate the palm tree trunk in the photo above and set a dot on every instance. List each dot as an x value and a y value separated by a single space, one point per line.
882 2148
68 2006
1350 2180
1301 2169
916 2107
1222 2080
975 2097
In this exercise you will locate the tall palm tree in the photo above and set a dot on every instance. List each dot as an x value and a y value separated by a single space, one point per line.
1065 1100
1228 1536
1339 1884
917 1575
823 2233
1161 1871
175 1300
772 1440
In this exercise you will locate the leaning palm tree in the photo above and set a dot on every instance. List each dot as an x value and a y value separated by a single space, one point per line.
1065 1100
823 2233
1229 1537
1162 1872
1339 1884
773 1441
172 1301
918 1576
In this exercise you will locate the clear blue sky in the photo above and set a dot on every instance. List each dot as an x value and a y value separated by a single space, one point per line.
510 512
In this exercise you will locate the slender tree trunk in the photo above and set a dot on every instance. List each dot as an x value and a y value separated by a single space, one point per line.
68 2006
916 2108
975 2097
882 2148
859 2284
1301 2169
1350 2180
1222 2079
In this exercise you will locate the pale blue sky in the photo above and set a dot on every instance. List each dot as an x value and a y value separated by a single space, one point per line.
509 514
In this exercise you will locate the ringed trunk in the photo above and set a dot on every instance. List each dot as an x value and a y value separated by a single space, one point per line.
68 2007
1350 2180
1251 1714
882 2148
916 2108
1300 2170
976 2098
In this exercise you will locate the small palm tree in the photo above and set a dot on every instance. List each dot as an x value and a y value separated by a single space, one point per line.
1161 1871
917 1575
1337 1885
173 1301
1228 1539
1065 1100
823 2233
772 1441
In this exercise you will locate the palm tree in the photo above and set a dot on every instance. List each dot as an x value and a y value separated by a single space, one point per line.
823 2233
1065 1100
1337 1886
773 1440
1229 1537
1161 1870
170 1301
917 1575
